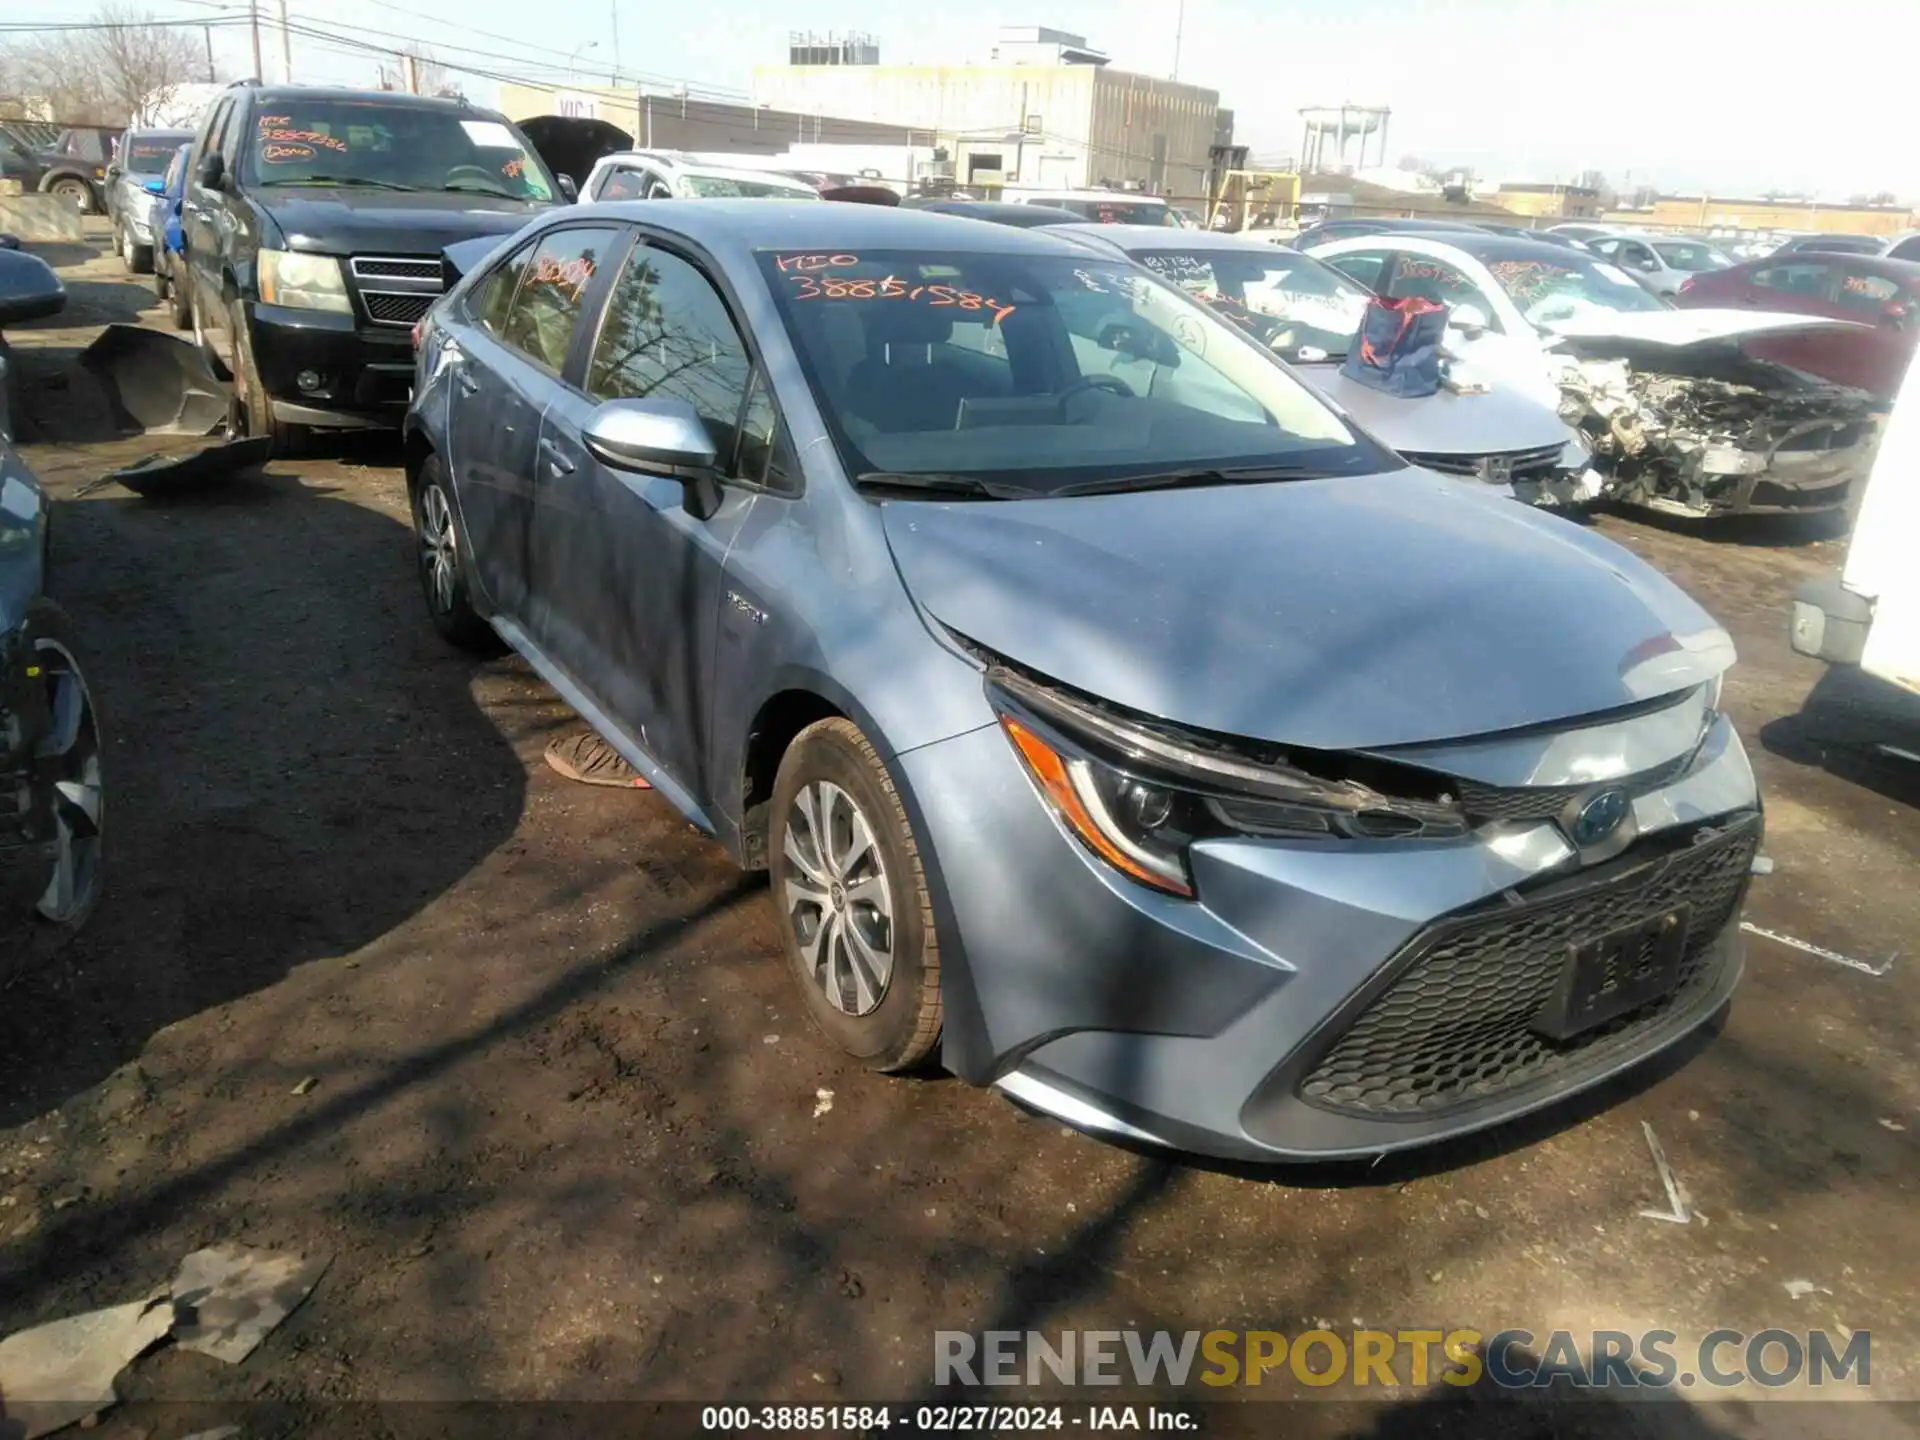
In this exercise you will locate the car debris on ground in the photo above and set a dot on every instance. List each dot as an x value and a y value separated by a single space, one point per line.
223 1301
228 1298
62 1372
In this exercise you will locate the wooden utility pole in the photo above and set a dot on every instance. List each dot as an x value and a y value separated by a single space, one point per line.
253 19
207 30
286 45
412 72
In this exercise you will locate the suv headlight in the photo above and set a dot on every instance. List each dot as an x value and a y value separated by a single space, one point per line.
1139 795
303 282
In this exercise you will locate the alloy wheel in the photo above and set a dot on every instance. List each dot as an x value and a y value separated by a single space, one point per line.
70 756
837 898
439 557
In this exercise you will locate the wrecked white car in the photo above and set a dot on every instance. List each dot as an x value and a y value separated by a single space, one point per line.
1680 414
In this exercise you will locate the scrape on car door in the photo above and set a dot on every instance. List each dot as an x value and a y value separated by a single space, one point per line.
509 354
631 574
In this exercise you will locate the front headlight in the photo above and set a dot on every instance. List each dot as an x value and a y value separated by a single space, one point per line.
1139 795
303 282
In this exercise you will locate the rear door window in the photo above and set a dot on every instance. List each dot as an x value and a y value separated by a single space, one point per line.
1809 279
546 305
1865 292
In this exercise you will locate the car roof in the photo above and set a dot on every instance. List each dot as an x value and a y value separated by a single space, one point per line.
1908 270
399 99
997 210
741 227
1130 196
162 133
1192 242
687 165
1483 245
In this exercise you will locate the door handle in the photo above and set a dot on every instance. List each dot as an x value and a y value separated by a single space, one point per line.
557 461
468 385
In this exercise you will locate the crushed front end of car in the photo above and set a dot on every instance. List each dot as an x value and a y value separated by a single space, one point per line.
1737 436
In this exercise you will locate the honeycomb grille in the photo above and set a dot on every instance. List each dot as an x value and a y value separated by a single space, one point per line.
1454 1027
393 309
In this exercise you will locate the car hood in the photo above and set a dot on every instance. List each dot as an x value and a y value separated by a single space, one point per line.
1384 610
1596 334
351 222
1442 424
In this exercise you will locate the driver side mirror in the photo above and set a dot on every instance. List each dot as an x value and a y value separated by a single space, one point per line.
212 171
662 437
1469 320
1140 342
569 191
155 186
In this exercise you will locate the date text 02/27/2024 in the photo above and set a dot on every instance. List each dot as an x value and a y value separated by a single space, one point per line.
940 1419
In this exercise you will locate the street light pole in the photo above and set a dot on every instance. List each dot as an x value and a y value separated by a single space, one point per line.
572 72
286 44
1179 26
253 19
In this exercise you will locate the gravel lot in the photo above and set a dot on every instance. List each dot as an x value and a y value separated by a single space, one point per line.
568 1138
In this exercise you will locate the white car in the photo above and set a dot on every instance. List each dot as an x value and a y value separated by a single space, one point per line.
1870 615
669 175
1307 313
1683 408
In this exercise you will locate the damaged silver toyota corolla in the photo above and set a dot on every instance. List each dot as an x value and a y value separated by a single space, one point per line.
1681 408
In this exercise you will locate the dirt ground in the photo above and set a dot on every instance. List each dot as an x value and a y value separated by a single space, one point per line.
570 1135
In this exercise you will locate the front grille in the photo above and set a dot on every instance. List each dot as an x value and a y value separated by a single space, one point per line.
1486 804
1453 1027
398 267
397 289
391 309
1537 463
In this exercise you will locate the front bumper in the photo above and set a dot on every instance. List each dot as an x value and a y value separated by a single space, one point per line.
363 377
1320 999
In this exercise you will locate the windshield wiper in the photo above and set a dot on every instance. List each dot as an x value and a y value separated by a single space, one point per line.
1211 475
936 483
352 180
473 188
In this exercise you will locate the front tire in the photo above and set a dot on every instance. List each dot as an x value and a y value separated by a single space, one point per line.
75 192
252 409
851 895
442 565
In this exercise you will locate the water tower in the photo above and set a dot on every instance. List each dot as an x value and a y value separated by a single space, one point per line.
1328 129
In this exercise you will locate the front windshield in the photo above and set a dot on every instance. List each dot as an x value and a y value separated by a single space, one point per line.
1289 302
1548 290
1038 373
387 146
1103 211
151 154
727 187
1691 256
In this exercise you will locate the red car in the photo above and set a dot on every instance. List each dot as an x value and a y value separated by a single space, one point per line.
1881 293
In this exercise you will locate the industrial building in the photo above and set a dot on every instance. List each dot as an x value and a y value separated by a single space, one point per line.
1550 201
1044 110
680 122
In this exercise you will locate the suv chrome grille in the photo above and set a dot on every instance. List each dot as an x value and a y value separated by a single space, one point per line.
397 289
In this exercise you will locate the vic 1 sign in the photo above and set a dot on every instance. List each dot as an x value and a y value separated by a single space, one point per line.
577 107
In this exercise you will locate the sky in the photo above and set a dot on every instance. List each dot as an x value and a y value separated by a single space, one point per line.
1678 94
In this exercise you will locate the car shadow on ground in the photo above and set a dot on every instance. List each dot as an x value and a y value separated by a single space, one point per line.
1841 727
294 764
1766 531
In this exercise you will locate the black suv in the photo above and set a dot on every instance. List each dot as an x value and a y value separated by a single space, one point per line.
313 222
